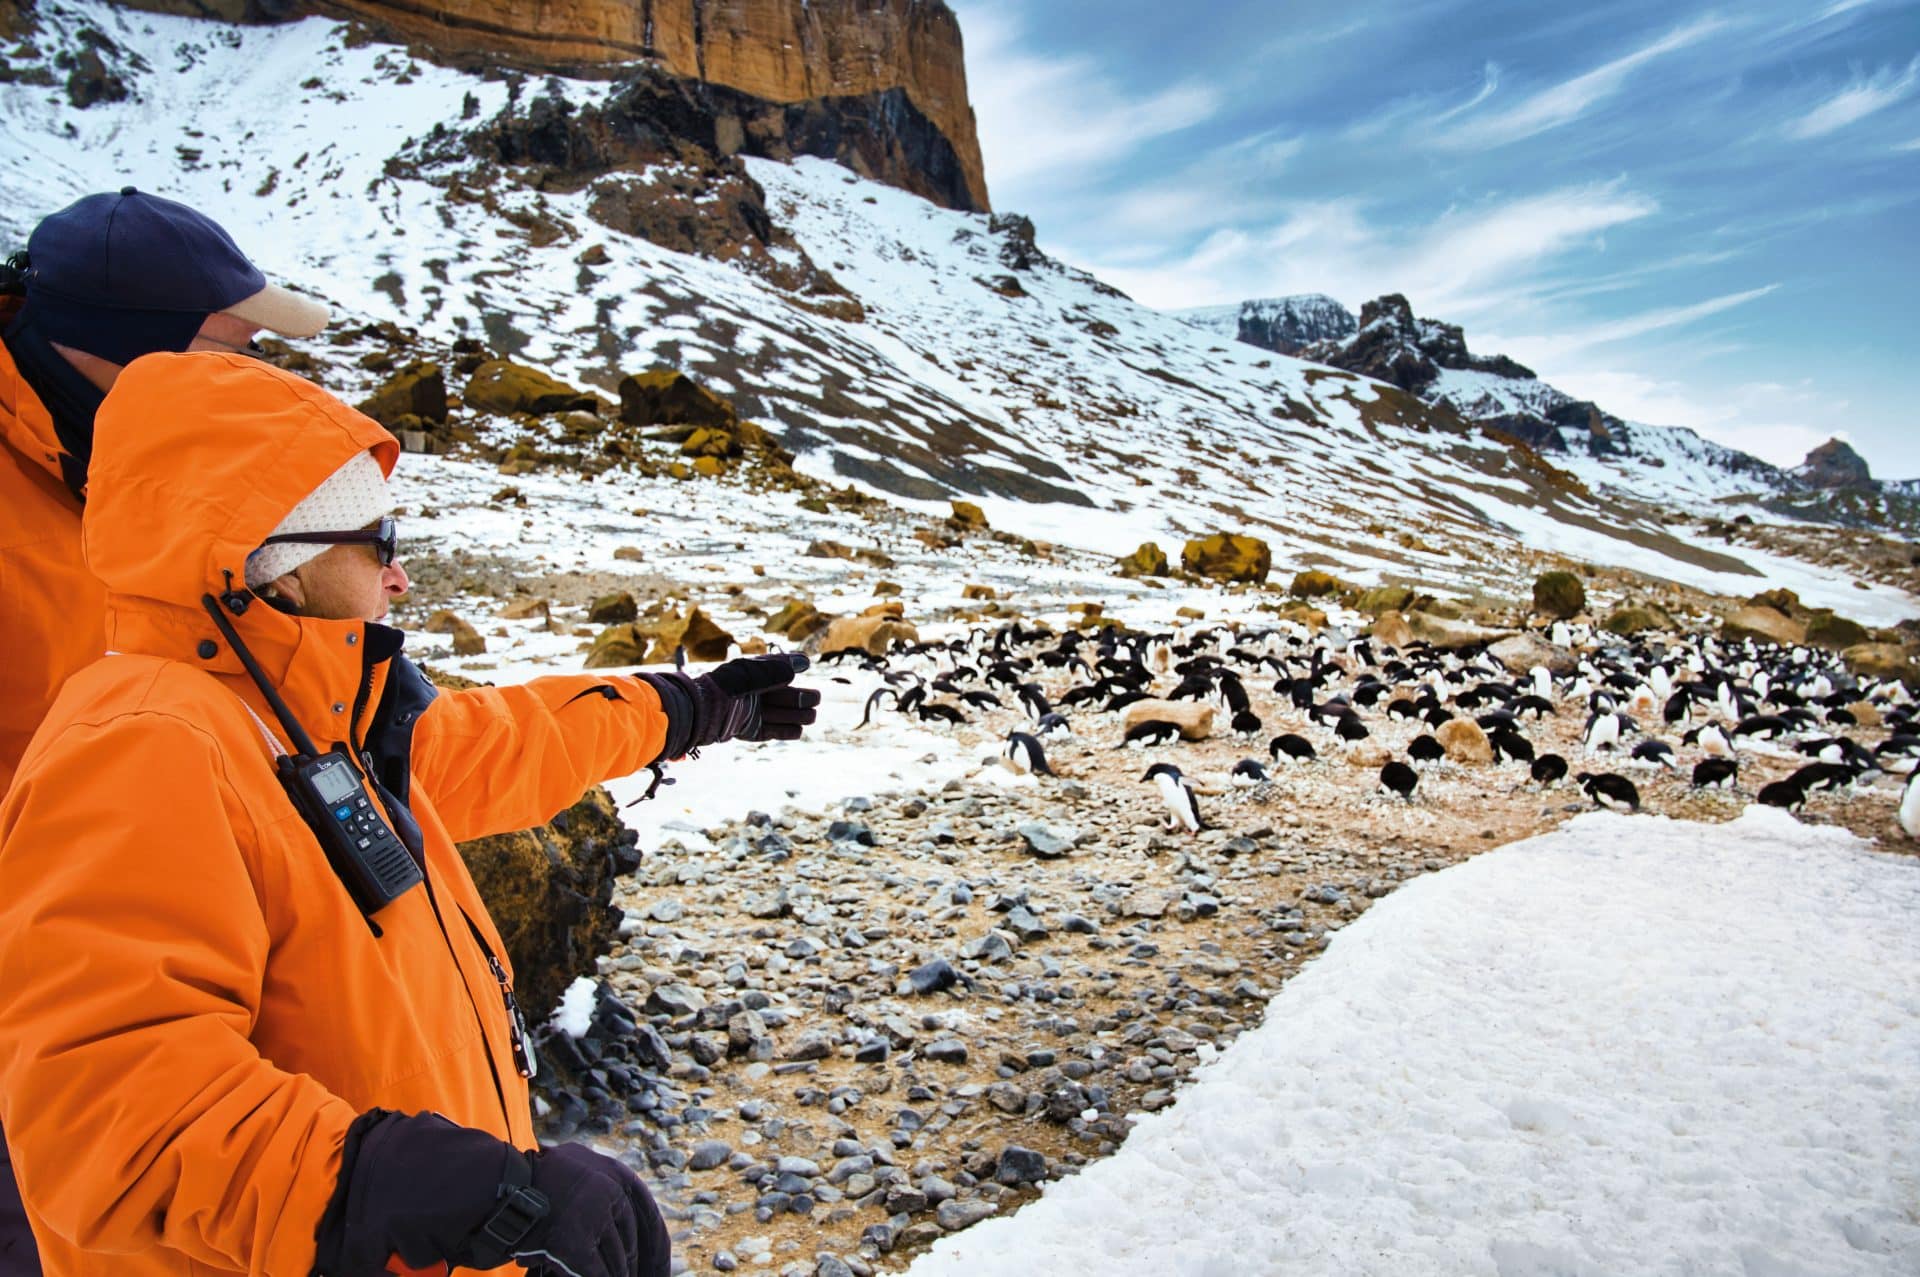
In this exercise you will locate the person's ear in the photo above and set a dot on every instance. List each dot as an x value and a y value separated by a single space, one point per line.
284 593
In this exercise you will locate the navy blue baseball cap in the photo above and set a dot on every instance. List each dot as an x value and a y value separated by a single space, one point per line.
128 274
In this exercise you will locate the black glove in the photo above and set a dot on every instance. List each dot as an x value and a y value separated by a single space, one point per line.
749 699
431 1192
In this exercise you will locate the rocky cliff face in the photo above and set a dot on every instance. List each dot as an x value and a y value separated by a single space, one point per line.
784 52
1284 325
1391 345
1835 465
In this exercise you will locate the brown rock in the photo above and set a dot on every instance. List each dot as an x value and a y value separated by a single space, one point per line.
828 550
1523 651
1227 556
709 467
611 609
696 632
1464 741
664 397
892 607
501 386
1631 620
1559 595
1194 720
978 592
1764 624
1441 632
467 641
1384 598
871 634
1313 584
1782 600
617 645
418 390
798 619
1882 660
707 442
1835 633
526 609
1148 560
968 516
1391 630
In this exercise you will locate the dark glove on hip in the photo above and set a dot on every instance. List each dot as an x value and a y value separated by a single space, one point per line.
430 1192
749 699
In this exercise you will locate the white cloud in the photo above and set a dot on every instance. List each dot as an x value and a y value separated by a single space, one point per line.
1466 262
1565 341
1570 99
1863 96
1042 119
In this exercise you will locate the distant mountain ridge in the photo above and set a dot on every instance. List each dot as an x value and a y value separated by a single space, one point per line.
1430 359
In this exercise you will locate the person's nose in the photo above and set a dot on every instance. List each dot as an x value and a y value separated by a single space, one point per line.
393 579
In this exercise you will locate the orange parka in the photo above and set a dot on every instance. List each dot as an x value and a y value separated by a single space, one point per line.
52 610
192 1008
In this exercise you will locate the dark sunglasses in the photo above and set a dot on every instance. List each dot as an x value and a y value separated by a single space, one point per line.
384 537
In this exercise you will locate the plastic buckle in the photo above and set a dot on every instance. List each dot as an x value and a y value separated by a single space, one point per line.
509 1223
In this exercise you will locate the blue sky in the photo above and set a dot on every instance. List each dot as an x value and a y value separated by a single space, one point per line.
1694 215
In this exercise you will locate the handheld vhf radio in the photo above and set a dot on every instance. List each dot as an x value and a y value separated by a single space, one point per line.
330 796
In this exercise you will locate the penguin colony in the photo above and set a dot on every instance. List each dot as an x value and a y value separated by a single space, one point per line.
1659 714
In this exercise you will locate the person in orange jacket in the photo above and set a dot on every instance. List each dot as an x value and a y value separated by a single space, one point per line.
254 1017
103 281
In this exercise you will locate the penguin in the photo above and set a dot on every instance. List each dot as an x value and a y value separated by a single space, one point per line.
1247 723
1152 731
873 703
1510 746
1549 769
1715 773
1350 729
1609 790
1398 778
1248 771
1183 810
1026 754
1425 748
1603 732
1822 776
1762 726
1053 727
1293 746
1910 806
1783 794
1034 699
1712 740
1654 753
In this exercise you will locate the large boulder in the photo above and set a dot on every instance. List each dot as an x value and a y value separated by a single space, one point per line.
1312 583
617 645
874 635
695 631
1148 560
1382 599
612 609
418 390
664 397
1465 742
1882 660
501 386
798 619
1633 618
1762 624
1559 595
1522 652
1834 632
1390 629
1194 719
967 516
1440 631
1228 556
549 891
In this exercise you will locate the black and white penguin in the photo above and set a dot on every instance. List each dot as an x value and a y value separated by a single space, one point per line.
1510 746
1549 769
1248 771
1350 729
1910 806
1152 731
1247 723
1425 748
1715 773
1654 753
1398 778
1293 745
1026 755
1783 794
1183 810
1054 727
1610 790
1711 739
1603 731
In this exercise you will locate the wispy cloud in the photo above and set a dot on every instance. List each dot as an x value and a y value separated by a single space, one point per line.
1050 118
1651 321
1570 99
1864 95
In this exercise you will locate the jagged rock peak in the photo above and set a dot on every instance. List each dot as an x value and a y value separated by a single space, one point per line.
1391 345
782 51
1835 465
1285 325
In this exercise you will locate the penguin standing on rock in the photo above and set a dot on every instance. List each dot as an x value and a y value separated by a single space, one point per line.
1183 809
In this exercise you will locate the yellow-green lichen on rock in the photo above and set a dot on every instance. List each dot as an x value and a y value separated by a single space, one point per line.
1559 595
1148 560
501 386
1229 556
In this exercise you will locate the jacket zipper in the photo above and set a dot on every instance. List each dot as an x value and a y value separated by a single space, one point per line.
516 1024
516 1028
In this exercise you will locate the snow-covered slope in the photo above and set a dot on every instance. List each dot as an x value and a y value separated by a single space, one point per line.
1073 414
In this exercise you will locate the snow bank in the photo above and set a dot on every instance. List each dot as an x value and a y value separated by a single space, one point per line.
1629 1046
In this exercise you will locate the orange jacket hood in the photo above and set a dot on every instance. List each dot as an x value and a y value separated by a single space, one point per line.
25 424
197 458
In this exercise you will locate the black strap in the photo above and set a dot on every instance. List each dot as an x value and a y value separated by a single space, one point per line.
521 1207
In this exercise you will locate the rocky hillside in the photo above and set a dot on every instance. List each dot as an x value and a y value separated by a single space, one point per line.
1284 325
1430 359
878 84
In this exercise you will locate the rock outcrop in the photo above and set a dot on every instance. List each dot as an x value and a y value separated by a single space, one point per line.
1284 325
1834 465
1392 346
852 63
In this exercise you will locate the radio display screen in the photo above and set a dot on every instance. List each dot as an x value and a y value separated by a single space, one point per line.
335 784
